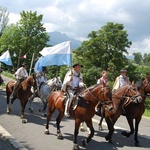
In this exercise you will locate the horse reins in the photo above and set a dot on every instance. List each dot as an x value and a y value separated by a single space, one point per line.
103 103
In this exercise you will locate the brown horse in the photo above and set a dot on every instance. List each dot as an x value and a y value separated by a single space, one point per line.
135 110
84 111
119 97
23 94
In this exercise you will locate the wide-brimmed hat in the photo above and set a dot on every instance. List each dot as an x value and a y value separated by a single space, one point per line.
123 70
43 68
77 64
23 65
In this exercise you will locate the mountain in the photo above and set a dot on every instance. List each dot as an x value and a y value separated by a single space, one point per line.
57 37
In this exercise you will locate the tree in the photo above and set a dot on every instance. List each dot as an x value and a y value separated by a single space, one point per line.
3 19
28 36
138 58
33 35
105 46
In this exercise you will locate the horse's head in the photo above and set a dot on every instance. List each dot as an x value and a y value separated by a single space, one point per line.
55 82
31 80
105 96
58 83
131 91
146 84
98 93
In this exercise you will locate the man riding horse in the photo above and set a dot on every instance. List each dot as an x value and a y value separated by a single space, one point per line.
20 75
72 81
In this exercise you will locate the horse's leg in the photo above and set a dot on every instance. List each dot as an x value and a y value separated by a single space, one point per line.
137 121
49 114
58 120
100 124
82 127
30 102
23 105
8 107
76 131
111 129
90 135
130 122
44 101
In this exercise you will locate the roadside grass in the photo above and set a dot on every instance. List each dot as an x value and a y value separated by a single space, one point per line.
147 108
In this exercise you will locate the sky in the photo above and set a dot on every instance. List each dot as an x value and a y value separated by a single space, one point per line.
78 18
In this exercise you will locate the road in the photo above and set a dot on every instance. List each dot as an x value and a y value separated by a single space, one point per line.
31 135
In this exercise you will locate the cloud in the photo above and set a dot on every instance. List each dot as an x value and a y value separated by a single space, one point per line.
78 18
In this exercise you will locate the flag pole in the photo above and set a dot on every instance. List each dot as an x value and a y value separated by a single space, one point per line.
19 59
31 64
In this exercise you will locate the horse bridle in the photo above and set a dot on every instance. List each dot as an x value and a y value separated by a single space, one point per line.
96 98
132 97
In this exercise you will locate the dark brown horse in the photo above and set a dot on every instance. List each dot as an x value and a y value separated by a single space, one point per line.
119 97
84 112
135 110
23 94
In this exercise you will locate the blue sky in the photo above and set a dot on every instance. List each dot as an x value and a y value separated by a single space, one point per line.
79 17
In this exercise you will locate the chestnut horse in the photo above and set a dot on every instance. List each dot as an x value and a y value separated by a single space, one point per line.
84 111
135 110
23 94
119 97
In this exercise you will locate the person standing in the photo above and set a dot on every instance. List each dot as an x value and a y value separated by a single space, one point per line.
101 80
72 81
121 80
20 75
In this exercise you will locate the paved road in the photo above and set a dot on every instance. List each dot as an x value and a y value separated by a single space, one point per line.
31 135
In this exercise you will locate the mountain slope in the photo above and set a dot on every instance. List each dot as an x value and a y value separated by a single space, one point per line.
57 37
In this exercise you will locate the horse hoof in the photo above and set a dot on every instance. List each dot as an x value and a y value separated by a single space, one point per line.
108 139
60 137
24 120
76 147
100 128
137 144
82 129
47 132
84 143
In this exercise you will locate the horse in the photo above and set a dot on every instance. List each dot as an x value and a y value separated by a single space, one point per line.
84 111
125 94
135 110
44 92
1 80
23 94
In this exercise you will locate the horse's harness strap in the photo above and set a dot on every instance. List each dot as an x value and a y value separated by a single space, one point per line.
94 96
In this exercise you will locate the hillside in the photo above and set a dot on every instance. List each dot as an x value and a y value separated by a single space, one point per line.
57 37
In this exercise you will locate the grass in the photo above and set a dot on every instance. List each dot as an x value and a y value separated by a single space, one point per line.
147 106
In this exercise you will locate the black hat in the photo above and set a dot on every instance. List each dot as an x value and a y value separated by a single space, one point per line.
43 68
77 65
123 70
23 65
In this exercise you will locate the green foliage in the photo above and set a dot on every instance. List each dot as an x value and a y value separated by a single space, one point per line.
3 19
137 58
28 36
105 49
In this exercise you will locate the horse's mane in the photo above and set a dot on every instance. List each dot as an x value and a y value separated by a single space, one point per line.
120 88
138 84
89 88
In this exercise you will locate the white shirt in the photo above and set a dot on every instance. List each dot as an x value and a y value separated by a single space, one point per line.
122 80
21 73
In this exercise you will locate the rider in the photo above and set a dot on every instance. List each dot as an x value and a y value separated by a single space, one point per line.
73 80
121 80
20 75
41 77
104 80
